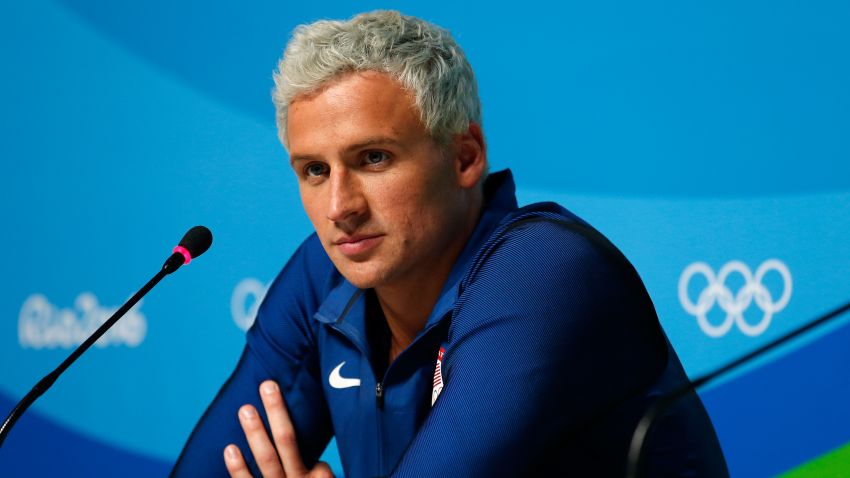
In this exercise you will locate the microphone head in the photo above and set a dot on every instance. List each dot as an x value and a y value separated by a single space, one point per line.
197 240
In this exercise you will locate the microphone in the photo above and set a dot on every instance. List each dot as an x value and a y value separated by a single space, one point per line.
194 243
644 426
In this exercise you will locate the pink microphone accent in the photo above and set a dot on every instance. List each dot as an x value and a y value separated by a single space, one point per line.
185 252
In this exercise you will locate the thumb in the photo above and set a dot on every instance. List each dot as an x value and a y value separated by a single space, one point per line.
321 470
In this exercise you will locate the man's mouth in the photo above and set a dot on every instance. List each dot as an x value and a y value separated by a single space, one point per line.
358 244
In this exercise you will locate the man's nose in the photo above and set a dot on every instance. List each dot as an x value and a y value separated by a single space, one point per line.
347 205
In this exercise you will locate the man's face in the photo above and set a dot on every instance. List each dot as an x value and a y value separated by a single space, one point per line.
384 198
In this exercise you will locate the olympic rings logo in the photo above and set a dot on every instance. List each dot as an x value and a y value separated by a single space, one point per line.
245 301
734 304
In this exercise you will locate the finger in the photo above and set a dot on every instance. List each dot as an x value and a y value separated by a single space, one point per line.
282 430
235 463
321 470
258 440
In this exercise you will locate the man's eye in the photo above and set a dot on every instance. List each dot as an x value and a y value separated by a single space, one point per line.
315 169
375 157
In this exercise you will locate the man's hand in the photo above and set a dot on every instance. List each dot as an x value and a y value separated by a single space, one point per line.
278 460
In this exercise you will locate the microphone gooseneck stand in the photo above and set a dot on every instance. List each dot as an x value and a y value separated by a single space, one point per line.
48 380
193 244
644 426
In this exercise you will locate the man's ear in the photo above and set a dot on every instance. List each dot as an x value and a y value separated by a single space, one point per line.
470 156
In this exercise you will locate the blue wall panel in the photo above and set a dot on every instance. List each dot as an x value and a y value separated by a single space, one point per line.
710 134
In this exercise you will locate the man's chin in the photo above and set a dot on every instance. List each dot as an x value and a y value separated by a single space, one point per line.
362 277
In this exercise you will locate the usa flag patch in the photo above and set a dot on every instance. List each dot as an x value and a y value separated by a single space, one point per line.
438 377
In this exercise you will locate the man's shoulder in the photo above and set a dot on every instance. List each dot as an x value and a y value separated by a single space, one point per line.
305 280
310 262
544 241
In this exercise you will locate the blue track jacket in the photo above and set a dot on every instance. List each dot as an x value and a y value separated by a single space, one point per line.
549 353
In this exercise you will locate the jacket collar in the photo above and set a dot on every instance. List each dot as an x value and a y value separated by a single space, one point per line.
345 305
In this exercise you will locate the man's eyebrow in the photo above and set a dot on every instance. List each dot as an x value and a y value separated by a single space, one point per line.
303 157
352 147
371 142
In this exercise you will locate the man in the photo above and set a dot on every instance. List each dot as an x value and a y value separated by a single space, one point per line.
429 324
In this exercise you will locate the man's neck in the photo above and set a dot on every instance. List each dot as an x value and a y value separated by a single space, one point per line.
407 309
407 304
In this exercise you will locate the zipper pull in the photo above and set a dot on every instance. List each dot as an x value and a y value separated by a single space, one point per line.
379 394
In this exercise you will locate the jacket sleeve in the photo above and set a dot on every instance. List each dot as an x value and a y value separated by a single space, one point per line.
551 331
281 345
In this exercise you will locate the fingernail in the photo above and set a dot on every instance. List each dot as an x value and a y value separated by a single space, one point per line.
269 388
231 452
248 412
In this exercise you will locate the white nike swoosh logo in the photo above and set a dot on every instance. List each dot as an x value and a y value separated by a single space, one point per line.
338 381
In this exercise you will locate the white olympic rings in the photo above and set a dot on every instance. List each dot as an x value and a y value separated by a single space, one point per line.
734 304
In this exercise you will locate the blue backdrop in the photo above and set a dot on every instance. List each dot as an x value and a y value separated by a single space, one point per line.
709 141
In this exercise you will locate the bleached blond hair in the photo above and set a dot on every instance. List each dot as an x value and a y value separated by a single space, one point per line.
423 57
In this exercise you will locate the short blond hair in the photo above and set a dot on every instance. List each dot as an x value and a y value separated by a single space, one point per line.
422 56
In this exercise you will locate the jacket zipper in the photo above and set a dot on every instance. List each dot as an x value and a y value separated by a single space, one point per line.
379 402
379 385
379 395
